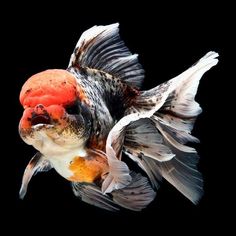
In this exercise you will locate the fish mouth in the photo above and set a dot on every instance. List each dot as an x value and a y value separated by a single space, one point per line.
40 119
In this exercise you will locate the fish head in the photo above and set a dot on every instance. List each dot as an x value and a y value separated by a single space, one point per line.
54 118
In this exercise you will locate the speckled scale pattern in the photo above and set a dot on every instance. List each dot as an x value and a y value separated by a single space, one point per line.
106 97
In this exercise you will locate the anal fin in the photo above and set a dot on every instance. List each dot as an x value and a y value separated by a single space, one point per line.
137 195
92 194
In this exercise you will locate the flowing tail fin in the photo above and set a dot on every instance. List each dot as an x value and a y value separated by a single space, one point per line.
176 95
158 126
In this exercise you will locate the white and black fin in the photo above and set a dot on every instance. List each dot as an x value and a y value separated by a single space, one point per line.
136 196
92 194
36 164
177 95
131 122
176 117
101 48
160 158
146 143
171 106
142 137
148 165
139 136
181 171
119 173
176 137
167 112
118 176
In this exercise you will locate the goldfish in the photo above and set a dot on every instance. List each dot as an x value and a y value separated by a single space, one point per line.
86 121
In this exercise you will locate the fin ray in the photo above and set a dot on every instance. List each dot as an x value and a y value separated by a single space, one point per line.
36 164
137 195
91 194
101 48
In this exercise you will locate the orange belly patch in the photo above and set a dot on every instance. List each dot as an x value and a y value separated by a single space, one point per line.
88 170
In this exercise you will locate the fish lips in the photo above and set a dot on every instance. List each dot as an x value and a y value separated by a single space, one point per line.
41 126
26 133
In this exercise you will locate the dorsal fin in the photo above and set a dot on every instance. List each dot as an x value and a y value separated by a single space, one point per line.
101 48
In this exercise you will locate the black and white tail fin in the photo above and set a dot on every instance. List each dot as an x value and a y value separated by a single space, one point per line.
158 126
101 48
176 95
176 110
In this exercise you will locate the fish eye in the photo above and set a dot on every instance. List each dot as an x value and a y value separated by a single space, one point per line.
73 108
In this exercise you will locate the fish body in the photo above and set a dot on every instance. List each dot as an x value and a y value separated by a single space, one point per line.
83 118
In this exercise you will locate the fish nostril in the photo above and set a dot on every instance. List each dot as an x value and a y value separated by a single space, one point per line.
40 119
39 108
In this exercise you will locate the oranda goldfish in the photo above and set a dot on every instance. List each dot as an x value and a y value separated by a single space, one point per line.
85 121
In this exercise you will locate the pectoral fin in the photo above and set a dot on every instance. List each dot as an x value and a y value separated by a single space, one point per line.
36 164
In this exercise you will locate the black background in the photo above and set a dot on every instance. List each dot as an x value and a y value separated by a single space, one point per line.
168 39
